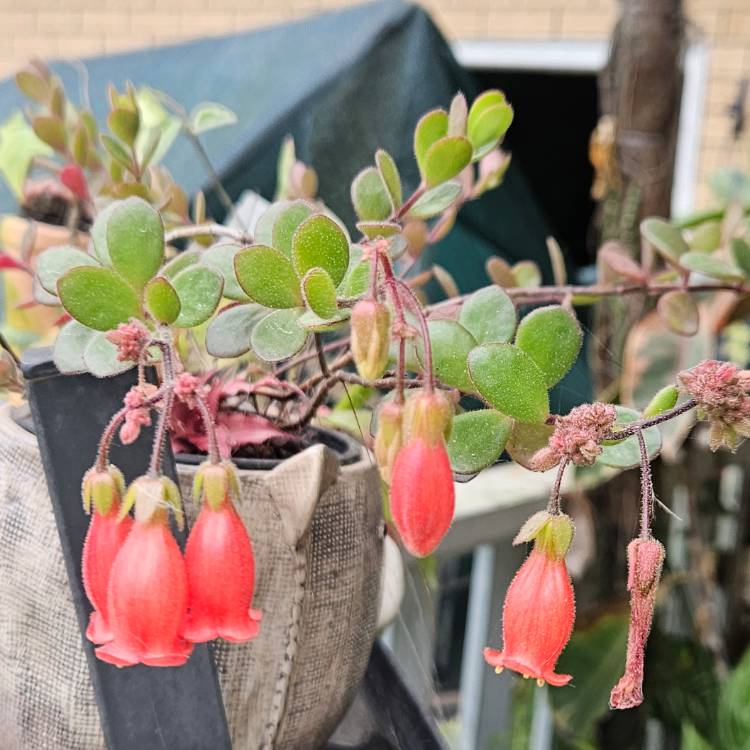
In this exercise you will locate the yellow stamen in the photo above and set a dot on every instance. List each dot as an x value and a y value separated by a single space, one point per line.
540 682
498 670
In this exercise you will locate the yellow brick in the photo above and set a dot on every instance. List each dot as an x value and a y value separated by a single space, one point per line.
584 25
520 24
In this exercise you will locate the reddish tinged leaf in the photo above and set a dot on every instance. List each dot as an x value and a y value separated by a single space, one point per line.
9 263
73 178
614 256
62 320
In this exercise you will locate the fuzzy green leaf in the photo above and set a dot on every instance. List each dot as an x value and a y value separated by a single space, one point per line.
319 242
101 358
391 177
430 128
477 440
626 454
709 265
435 201
98 297
124 123
487 128
370 196
445 159
552 337
56 261
375 229
666 238
451 344
679 312
70 345
162 301
741 255
285 225
209 116
489 315
278 335
199 289
220 258
510 381
180 262
320 293
267 276
228 334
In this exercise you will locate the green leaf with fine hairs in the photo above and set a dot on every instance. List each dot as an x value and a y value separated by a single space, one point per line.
286 222
135 241
489 315
709 265
320 293
51 130
320 242
486 129
220 257
228 334
56 261
278 335
679 312
510 381
477 440
313 322
706 237
627 454
370 196
357 279
124 123
431 127
199 289
162 301
375 229
527 274
741 255
391 177
552 337
451 344
267 276
526 438
446 159
666 238
101 357
662 401
435 201
98 297
180 262
457 115
209 116
116 150
70 345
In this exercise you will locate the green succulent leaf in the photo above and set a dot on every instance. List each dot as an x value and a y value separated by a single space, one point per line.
320 293
357 279
431 127
375 229
320 242
679 312
527 274
51 130
451 344
526 438
286 222
220 258
116 150
489 118
209 116
228 334
391 177
100 357
268 277
124 123
626 454
313 322
477 440
706 237
180 262
510 381
552 337
666 238
199 289
162 301
56 261
435 201
489 315
446 159
370 196
70 345
709 265
98 297
278 335
135 241
741 255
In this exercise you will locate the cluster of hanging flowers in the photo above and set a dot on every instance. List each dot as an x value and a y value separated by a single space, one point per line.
152 603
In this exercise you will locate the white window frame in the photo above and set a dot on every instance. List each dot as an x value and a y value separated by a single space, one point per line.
564 56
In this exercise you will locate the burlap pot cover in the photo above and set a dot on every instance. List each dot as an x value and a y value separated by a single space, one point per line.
317 535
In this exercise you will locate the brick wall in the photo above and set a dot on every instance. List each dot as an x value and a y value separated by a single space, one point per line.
76 28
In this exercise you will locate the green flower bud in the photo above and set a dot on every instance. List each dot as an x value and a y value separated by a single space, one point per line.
428 416
370 326
389 437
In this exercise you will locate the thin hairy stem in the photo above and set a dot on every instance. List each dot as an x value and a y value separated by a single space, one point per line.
642 424
647 487
554 506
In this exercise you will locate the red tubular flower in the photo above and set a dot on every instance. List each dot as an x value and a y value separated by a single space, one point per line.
147 594
539 607
107 532
219 563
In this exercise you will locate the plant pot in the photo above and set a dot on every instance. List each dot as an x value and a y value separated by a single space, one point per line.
38 320
318 537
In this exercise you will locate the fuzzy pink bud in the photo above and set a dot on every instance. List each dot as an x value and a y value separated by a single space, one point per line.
129 338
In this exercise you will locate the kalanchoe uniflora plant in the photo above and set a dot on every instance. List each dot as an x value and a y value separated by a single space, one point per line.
299 317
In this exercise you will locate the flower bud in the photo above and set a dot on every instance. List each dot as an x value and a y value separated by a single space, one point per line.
215 483
370 327
102 489
389 437
552 533
428 417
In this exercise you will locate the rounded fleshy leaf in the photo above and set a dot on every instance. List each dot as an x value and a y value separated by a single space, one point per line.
267 276
199 289
124 123
100 357
278 335
286 222
614 256
477 440
310 321
70 345
391 177
209 116
457 115
706 237
431 127
220 258
626 453
709 265
162 301
489 118
666 238
320 293
98 297
228 334
57 261
374 229
679 312
370 196
552 337
451 344
435 201
499 272
489 315
319 242
663 401
526 438
135 241
180 262
445 159
527 274
510 381
357 279
741 255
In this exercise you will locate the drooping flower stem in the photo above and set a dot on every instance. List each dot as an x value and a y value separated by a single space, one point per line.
413 304
157 451
401 327
647 488
208 423
554 504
